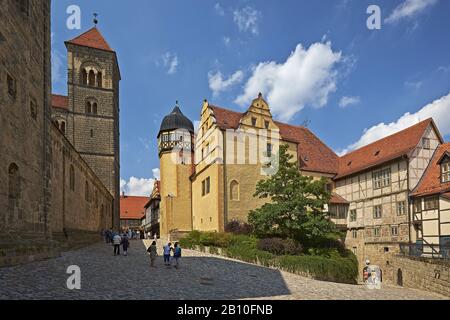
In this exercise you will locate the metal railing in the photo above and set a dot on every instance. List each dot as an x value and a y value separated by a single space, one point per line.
425 250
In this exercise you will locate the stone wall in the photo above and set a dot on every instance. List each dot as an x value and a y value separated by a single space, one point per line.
81 204
420 273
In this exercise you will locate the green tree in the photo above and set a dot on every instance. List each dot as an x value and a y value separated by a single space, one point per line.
297 203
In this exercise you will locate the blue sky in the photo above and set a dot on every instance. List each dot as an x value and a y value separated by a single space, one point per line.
315 61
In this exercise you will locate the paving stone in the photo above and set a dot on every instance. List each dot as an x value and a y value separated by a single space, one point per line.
201 276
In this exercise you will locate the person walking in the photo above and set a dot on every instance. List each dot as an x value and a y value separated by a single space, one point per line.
167 249
125 244
153 253
117 240
176 254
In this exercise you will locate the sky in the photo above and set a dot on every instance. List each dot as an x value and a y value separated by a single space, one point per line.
316 62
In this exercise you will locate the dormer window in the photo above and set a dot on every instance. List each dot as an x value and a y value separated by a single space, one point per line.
445 169
254 122
266 124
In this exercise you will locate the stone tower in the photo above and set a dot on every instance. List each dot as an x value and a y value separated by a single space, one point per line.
176 152
93 108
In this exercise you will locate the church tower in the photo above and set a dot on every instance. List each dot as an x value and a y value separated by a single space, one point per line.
176 154
93 108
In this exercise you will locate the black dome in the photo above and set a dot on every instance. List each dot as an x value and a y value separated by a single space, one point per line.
176 120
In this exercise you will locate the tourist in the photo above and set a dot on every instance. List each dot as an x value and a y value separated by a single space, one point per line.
129 234
153 253
125 244
167 249
177 254
117 240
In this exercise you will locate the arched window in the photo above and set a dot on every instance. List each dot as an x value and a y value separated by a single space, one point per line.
94 108
72 178
99 79
84 77
92 78
92 133
63 127
13 182
88 107
234 190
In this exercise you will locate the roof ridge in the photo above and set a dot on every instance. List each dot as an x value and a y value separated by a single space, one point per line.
387 137
102 45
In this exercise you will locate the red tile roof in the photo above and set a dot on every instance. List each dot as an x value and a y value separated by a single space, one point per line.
59 101
382 151
431 180
92 39
132 208
313 154
337 199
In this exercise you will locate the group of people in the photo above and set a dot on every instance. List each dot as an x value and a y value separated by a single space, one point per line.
170 253
118 240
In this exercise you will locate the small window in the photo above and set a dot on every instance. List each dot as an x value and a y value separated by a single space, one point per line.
269 150
92 78
234 190
401 208
92 133
84 77
63 127
426 143
12 85
431 203
353 215
33 109
377 212
342 213
394 231
266 124
417 206
254 122
99 79
94 108
376 232
88 107
445 172
208 185
354 234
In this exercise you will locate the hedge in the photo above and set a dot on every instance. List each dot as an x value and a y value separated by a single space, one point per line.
327 265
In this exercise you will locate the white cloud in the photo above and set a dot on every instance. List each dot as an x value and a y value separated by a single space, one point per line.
408 9
219 10
218 84
139 186
226 41
349 101
439 110
247 20
414 85
156 174
170 61
307 77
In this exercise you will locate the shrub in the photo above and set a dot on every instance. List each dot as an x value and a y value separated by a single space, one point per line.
237 227
280 246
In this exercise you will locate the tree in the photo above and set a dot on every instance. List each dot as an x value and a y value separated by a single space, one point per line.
297 203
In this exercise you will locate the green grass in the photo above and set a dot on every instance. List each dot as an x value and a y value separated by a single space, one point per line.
327 264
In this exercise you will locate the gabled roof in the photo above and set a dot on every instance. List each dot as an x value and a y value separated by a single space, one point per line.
92 39
132 208
313 154
384 150
61 102
337 199
430 183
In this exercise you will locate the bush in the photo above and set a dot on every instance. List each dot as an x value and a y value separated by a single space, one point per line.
237 227
280 246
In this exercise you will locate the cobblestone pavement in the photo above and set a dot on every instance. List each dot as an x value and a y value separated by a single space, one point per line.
200 276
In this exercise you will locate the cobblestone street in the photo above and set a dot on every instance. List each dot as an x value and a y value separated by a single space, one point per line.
201 276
